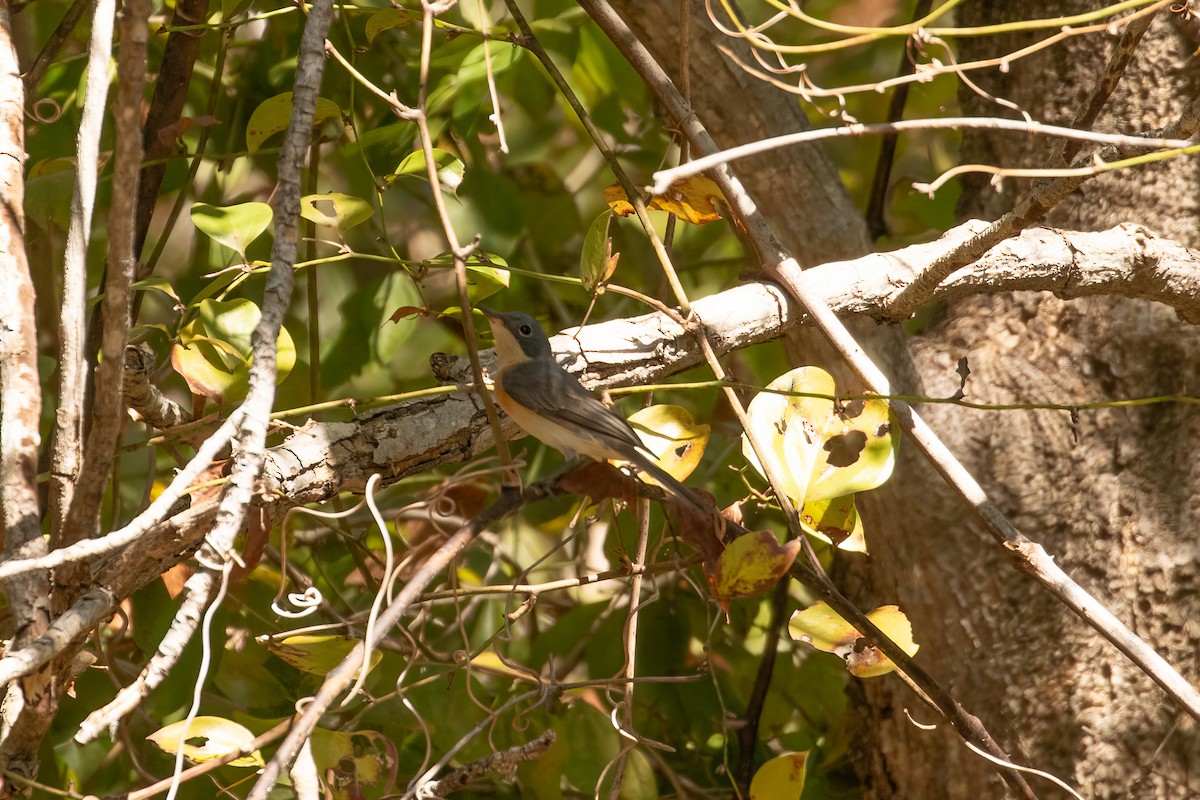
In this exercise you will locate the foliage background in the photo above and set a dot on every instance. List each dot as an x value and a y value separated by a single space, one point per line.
460 662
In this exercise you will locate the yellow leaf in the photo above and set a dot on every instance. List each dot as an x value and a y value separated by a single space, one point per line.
820 626
696 200
781 778
221 737
750 565
673 436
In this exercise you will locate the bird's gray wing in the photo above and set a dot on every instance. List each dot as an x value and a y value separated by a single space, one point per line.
550 390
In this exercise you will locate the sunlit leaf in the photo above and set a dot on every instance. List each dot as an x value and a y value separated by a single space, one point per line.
835 520
273 114
821 448
673 436
335 210
820 626
219 737
781 778
213 350
450 169
317 654
750 565
234 226
696 200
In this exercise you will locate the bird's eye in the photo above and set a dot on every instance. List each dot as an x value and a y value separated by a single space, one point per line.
526 330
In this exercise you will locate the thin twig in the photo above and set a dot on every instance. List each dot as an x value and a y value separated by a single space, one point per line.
1106 84
66 27
881 180
198 592
756 703
664 178
459 252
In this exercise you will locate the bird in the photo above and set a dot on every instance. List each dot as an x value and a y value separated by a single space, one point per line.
549 404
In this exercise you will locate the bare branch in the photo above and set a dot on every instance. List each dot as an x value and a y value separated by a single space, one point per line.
505 763
83 517
321 459
198 592
155 408
1033 207
76 623
20 412
67 454
664 178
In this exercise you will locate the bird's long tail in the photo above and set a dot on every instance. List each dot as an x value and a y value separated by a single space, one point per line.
665 480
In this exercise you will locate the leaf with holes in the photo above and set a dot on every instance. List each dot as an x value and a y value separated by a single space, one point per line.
220 736
821 447
351 763
335 210
835 520
675 439
697 200
820 626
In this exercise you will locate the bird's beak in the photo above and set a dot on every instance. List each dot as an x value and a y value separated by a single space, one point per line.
490 313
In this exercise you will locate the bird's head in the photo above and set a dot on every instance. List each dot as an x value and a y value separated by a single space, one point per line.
518 336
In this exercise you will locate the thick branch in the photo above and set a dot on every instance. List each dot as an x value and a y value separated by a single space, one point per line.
29 706
66 459
83 517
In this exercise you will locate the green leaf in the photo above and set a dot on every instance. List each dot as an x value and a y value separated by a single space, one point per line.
365 335
335 210
781 777
317 654
48 193
450 169
387 19
821 448
595 260
213 350
750 565
234 226
274 113
486 274
221 737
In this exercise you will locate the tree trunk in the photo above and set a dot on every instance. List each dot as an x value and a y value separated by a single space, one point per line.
1113 495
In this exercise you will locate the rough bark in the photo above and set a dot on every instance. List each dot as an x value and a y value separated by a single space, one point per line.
1112 496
